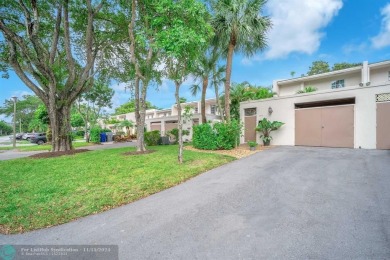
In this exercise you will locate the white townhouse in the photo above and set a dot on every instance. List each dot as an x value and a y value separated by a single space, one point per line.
351 108
165 120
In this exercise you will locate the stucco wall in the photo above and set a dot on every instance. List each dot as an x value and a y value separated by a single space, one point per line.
284 111
352 79
379 76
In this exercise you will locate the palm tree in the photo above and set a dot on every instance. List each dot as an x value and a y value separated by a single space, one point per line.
206 69
127 124
239 26
218 77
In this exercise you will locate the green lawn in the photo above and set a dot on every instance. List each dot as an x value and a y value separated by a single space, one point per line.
43 147
37 193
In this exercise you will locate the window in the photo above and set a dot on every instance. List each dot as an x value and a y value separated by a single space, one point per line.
338 84
196 110
389 75
250 112
213 109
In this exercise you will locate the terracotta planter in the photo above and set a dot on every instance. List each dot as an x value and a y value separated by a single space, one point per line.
252 148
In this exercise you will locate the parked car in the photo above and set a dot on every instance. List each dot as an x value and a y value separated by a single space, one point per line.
38 138
27 136
18 136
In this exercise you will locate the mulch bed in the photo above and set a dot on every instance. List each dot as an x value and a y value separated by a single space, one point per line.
57 154
139 153
238 152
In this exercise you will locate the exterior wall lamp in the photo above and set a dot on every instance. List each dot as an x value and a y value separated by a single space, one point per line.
270 110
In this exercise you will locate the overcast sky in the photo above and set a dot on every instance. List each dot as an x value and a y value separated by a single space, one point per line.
303 31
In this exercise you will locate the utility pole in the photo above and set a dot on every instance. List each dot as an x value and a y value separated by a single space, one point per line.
14 140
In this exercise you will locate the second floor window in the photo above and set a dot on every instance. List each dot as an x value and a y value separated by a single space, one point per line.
196 110
213 109
338 84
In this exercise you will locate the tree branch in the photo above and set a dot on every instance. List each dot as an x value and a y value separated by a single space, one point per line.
71 65
54 45
18 70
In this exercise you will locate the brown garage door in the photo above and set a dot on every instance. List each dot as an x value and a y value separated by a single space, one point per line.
169 126
250 124
383 125
155 126
325 126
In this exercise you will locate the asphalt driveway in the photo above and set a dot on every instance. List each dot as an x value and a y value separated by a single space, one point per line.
283 203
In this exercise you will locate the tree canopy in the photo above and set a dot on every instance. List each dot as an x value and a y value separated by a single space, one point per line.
5 129
52 47
239 26
245 91
129 107
320 66
25 110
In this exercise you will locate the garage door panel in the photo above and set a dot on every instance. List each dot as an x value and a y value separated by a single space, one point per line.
325 126
383 125
154 127
338 126
170 126
308 127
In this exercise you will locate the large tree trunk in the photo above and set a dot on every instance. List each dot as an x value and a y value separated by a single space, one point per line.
140 111
179 123
203 99
61 129
229 62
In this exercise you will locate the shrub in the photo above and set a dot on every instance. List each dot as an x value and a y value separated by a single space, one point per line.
252 144
221 136
175 133
266 127
307 89
204 137
152 137
106 130
227 134
94 136
79 133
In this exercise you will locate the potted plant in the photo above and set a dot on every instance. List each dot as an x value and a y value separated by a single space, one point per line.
265 127
252 145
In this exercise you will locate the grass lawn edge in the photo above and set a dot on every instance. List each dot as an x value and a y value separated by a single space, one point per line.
7 230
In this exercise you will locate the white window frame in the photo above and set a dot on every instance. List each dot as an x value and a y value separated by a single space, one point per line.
213 109
338 84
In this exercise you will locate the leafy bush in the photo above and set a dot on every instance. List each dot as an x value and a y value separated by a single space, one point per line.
152 137
307 89
252 144
106 130
94 136
265 127
175 133
228 134
204 137
79 133
221 136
